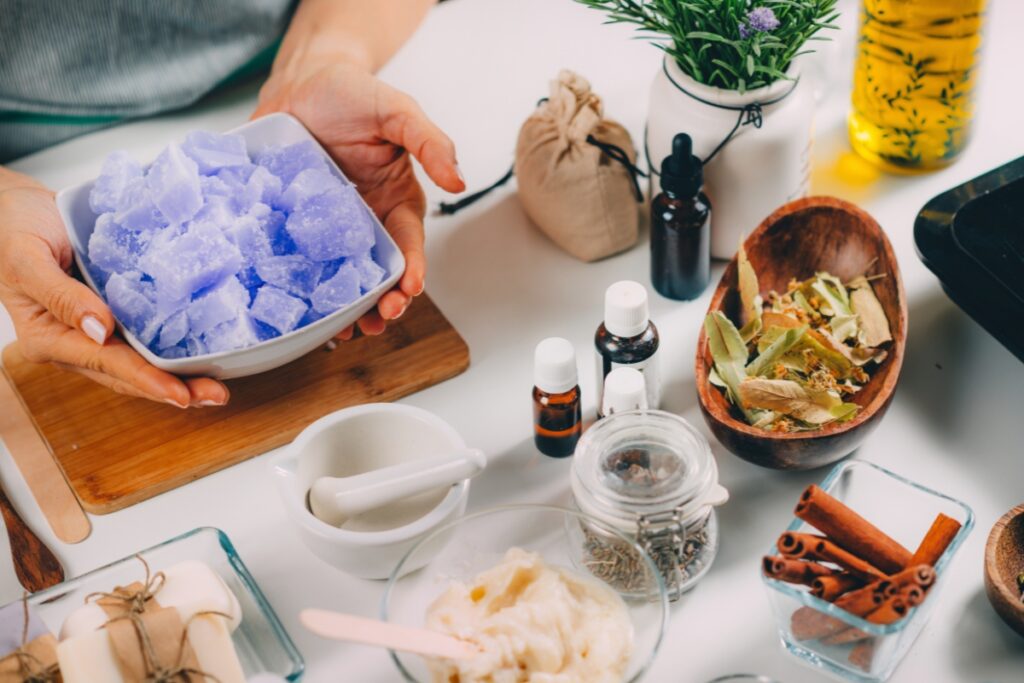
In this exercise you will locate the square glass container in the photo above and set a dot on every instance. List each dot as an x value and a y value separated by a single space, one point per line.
902 509
262 644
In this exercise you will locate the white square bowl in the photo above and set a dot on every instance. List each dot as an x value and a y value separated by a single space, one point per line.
276 129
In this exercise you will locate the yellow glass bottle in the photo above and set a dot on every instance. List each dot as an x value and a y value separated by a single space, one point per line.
914 81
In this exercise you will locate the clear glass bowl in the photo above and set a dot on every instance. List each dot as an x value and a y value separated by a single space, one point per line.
262 644
902 509
479 541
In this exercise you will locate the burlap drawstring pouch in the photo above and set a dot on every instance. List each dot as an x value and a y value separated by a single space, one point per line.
577 173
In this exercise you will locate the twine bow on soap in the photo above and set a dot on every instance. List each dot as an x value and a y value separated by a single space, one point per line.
132 601
31 668
156 671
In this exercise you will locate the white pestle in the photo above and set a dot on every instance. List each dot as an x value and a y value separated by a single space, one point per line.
336 499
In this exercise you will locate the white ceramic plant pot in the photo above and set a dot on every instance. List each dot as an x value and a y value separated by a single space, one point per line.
758 170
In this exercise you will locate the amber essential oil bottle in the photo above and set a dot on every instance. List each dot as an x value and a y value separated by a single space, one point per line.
627 338
557 411
681 226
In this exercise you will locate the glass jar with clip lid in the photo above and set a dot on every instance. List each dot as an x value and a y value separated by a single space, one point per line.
650 474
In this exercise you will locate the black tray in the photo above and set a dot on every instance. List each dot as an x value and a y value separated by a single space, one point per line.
972 238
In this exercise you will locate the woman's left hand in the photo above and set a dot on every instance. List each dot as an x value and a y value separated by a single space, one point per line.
370 129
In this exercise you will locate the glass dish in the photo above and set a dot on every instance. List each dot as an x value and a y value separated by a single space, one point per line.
902 509
478 542
262 644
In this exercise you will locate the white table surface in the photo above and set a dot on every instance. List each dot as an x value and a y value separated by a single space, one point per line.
477 67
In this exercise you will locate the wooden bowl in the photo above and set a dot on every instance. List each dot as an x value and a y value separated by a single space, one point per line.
1004 559
799 239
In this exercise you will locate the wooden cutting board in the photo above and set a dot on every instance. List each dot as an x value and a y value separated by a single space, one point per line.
116 451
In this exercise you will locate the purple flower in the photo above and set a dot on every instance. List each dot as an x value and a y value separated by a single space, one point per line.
744 31
761 20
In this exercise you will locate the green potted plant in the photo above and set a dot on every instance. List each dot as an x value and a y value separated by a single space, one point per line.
731 79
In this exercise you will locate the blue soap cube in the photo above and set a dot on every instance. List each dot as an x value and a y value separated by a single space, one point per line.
247 233
135 209
201 257
277 308
118 170
173 182
214 151
293 273
308 183
217 305
340 290
131 300
262 187
234 334
288 161
113 248
370 273
173 331
332 224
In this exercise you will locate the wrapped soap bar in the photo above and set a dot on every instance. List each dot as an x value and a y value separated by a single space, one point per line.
28 651
130 649
190 587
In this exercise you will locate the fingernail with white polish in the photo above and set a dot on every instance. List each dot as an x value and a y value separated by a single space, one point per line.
209 402
174 403
458 172
94 329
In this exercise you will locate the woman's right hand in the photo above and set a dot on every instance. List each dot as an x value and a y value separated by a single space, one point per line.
60 320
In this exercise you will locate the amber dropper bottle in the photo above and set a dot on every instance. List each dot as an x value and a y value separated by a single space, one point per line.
681 226
557 412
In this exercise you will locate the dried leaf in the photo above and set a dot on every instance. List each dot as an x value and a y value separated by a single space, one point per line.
845 326
784 341
727 350
772 319
788 397
874 324
834 304
751 303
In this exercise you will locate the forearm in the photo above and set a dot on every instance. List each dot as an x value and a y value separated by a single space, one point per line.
362 32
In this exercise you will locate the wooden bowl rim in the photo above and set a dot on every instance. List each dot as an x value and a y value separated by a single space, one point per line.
884 395
994 579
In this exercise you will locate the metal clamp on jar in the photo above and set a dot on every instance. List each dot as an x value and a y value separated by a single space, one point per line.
651 475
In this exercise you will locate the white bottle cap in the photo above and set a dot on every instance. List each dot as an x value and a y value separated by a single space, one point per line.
624 389
554 366
625 309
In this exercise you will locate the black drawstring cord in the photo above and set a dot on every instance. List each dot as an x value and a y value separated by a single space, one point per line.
618 154
447 209
750 114
613 152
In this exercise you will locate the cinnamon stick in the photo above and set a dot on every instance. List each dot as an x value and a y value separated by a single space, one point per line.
850 531
808 623
863 654
921 575
889 611
942 532
796 545
827 551
794 571
831 587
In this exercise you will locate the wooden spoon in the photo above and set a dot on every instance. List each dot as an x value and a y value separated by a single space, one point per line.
36 566
353 629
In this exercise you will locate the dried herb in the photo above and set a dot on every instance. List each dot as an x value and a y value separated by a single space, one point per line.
1020 585
800 353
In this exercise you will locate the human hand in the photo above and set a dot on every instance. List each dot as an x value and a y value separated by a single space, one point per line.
59 319
370 129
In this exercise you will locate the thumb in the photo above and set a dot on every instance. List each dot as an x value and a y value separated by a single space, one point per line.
67 299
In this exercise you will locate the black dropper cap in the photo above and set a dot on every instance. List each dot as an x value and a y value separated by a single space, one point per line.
682 173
